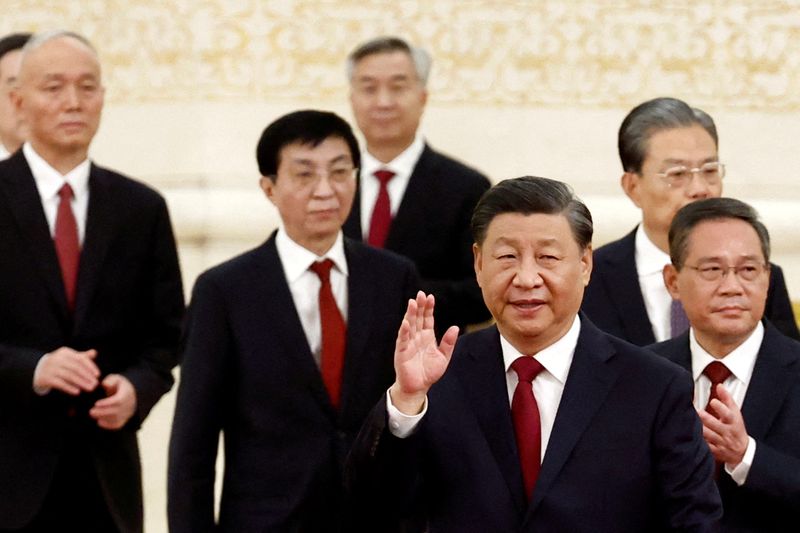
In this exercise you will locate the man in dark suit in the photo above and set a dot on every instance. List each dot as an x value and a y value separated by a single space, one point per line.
11 134
601 435
264 364
91 303
747 373
411 199
669 157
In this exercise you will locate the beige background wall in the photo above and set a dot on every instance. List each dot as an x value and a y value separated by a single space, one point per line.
518 87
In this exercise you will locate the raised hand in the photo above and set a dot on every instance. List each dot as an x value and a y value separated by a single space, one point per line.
725 434
418 361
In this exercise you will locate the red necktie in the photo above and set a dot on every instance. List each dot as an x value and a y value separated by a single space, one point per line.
334 332
68 247
527 425
382 212
716 372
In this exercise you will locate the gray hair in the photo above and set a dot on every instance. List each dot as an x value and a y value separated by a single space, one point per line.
382 45
653 116
38 39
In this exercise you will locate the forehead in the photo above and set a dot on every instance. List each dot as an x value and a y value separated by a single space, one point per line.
62 56
687 142
532 229
729 237
394 63
330 150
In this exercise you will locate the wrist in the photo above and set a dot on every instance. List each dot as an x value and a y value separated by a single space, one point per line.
407 403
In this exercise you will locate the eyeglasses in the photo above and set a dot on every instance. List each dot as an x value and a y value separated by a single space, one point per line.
678 177
745 272
311 176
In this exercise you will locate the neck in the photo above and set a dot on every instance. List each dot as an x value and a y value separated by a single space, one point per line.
387 152
318 246
61 160
718 347
11 145
659 238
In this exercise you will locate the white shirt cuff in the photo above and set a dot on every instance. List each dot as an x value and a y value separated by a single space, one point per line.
41 391
740 471
402 425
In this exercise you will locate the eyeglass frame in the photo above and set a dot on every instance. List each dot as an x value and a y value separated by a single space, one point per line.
664 176
762 268
309 178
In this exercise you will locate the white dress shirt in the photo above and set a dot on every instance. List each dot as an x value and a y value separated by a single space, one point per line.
548 385
304 284
4 153
740 362
402 166
49 181
650 263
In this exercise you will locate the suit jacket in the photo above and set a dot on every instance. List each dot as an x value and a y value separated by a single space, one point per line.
247 370
769 500
626 451
614 301
129 307
432 228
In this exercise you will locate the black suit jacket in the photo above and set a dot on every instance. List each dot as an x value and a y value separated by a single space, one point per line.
614 301
432 228
626 451
247 371
769 500
129 307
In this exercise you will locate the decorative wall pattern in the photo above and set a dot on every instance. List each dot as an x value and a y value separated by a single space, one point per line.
740 54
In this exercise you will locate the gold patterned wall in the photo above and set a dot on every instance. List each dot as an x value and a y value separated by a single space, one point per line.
730 54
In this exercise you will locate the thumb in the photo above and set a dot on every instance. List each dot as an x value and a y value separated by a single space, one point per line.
111 383
91 353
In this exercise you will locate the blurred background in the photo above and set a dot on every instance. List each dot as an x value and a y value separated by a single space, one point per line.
518 87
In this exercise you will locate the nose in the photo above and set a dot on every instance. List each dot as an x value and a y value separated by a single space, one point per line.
528 274
730 283
323 186
698 187
71 97
385 97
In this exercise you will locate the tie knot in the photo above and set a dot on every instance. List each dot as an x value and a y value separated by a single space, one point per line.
527 368
384 176
65 192
322 269
717 372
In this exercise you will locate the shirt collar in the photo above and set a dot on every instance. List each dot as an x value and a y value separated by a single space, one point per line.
556 358
740 361
49 180
650 259
3 152
297 259
403 164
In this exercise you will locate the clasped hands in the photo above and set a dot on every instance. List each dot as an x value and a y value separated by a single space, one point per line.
725 433
73 372
419 361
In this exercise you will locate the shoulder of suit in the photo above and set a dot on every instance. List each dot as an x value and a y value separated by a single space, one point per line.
359 251
616 247
456 169
123 183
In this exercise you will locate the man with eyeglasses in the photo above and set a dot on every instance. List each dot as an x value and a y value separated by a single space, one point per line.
746 373
669 157
287 347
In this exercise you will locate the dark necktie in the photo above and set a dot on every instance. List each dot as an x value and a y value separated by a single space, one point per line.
527 425
678 321
382 212
67 244
716 372
334 332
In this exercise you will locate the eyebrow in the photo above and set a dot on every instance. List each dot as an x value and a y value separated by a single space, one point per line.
673 161
708 259
338 159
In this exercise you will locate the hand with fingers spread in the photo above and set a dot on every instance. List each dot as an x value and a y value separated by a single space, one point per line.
418 361
114 411
725 433
68 371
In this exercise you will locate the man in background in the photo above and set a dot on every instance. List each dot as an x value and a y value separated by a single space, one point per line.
91 304
11 136
412 199
746 372
669 154
287 348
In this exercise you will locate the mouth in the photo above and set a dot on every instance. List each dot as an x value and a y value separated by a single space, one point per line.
529 305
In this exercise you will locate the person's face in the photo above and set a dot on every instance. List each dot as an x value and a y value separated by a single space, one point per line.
690 147
723 312
387 98
9 122
532 275
313 191
60 96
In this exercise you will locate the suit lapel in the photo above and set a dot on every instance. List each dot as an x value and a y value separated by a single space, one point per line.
100 227
588 382
412 207
626 292
769 384
26 206
482 376
352 226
